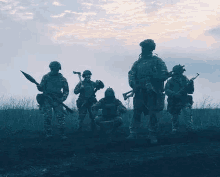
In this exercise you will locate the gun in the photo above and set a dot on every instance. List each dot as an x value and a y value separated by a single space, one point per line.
127 95
183 90
31 79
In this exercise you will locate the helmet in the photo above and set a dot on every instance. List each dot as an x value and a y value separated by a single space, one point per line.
178 69
86 72
148 44
55 64
109 92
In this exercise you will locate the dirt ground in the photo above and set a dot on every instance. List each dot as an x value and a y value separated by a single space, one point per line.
28 154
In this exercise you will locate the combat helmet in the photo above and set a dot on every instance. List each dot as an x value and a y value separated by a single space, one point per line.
148 44
178 69
86 72
55 64
109 92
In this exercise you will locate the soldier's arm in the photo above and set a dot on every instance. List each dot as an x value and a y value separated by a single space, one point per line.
168 89
42 86
121 107
77 88
65 90
163 73
132 75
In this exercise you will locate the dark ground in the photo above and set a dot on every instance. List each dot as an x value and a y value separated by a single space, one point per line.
29 154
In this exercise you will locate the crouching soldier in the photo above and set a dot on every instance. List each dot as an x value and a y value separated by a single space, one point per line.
86 90
110 118
177 89
51 86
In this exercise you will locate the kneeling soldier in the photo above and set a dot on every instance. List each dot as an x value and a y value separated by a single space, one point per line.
112 108
179 101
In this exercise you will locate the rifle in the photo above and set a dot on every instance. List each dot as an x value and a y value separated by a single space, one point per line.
31 79
127 95
183 90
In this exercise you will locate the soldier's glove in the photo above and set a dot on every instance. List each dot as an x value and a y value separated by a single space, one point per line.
99 84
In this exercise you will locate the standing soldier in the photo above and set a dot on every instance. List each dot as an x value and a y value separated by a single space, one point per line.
51 85
87 95
146 78
178 100
112 108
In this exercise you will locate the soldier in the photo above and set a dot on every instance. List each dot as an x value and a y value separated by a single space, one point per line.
112 108
178 101
146 78
51 85
87 94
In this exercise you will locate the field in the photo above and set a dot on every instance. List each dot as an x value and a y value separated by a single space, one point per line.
25 152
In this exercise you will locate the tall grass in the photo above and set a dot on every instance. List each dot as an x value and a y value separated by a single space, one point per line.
23 114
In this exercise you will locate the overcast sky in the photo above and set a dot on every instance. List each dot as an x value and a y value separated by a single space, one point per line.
103 36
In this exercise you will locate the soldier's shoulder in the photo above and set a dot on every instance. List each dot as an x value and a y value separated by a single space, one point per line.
185 77
157 58
62 77
46 76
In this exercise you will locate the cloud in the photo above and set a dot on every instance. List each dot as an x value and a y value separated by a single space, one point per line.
55 3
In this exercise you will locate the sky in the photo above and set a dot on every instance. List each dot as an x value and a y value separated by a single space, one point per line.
103 36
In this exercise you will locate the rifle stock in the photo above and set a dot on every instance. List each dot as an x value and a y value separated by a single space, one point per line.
184 88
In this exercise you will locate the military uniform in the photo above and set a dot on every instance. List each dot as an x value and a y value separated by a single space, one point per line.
147 77
112 108
85 94
179 102
51 85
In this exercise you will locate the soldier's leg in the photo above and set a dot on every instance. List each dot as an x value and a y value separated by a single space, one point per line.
175 122
58 110
92 118
153 126
135 124
175 112
187 115
46 109
82 115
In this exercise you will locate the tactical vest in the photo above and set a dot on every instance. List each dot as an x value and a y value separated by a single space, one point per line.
146 68
109 109
54 84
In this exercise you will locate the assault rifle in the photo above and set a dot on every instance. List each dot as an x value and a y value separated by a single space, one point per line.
127 95
31 79
183 90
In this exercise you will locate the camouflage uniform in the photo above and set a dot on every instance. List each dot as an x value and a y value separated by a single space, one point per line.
84 94
179 102
51 84
111 110
147 77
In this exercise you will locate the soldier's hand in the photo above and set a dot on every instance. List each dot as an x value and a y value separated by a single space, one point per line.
39 87
82 87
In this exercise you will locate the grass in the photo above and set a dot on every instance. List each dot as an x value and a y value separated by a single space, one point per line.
23 114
